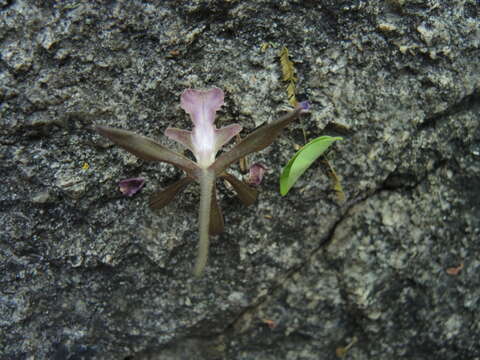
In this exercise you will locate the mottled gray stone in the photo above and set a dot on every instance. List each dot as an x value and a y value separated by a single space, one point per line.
89 274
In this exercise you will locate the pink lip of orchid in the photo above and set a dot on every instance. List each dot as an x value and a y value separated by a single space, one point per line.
204 141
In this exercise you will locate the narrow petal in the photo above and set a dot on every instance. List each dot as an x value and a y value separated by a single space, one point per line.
147 149
225 134
163 197
255 141
183 137
130 187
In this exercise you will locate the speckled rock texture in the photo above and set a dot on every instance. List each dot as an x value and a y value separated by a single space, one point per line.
391 273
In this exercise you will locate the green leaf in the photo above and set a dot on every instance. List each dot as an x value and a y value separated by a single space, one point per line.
302 161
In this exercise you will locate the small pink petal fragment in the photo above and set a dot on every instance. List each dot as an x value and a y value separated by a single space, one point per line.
130 187
454 271
304 105
255 175
270 323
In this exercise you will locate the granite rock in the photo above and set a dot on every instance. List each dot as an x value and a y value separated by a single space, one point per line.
392 271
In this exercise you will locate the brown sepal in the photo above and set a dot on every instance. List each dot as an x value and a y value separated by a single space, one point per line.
163 197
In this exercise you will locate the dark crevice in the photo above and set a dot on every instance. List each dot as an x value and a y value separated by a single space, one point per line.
396 181
468 103
4 5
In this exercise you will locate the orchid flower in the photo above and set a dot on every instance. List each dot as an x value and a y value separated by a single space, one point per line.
205 140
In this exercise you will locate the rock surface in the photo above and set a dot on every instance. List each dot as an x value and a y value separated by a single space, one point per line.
391 273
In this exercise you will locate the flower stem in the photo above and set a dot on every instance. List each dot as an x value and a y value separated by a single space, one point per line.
207 179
